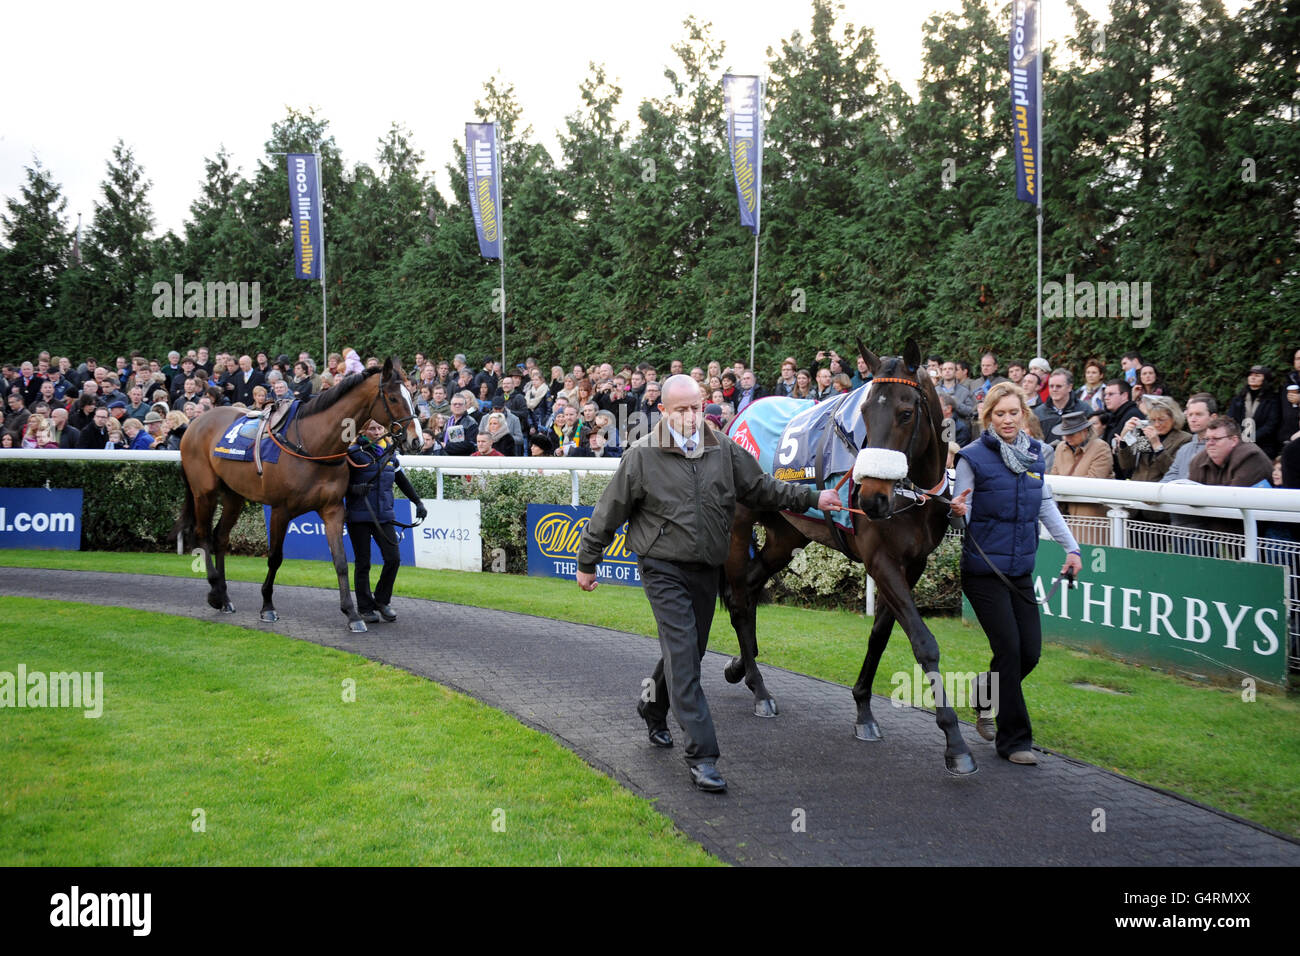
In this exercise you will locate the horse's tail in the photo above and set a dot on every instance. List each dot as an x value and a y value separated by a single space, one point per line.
183 531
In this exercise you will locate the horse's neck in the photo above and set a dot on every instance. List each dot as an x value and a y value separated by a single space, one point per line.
327 432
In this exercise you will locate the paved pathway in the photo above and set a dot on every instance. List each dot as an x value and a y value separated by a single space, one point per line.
861 804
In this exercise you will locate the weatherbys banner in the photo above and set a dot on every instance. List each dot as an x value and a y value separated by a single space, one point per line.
483 171
1024 97
1194 614
304 200
553 533
744 99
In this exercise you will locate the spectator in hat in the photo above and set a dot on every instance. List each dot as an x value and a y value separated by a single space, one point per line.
155 423
1258 405
539 445
1080 453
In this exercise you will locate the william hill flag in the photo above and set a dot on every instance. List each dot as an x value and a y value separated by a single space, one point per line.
304 201
1025 66
482 167
744 99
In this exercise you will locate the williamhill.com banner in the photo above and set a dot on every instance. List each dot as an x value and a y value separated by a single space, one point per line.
1024 98
304 200
744 99
482 169
553 533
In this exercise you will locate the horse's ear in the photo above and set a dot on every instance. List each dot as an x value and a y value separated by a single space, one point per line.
388 369
912 355
870 357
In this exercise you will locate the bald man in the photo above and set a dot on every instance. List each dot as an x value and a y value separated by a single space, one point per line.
677 489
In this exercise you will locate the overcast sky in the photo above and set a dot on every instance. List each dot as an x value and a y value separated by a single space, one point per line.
178 80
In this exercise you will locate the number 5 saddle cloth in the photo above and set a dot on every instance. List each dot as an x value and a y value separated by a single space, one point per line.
792 438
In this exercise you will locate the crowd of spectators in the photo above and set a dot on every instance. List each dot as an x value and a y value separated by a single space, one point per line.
1128 426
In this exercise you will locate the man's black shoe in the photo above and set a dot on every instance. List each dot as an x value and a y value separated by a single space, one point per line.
370 617
705 776
659 735
387 613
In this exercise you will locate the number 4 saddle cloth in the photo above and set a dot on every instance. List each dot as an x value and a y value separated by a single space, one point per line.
791 436
237 442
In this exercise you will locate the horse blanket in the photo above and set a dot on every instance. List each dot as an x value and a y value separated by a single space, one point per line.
789 436
236 444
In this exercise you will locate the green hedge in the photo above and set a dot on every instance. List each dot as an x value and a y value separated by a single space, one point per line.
131 506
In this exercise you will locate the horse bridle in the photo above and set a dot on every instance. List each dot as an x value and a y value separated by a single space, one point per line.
909 489
396 426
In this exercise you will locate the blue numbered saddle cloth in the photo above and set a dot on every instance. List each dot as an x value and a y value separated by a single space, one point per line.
236 443
786 436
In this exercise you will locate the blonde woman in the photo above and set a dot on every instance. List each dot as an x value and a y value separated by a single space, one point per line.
1003 494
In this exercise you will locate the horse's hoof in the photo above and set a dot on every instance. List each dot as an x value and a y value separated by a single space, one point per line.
735 671
765 707
269 617
214 601
960 765
868 730
357 627
227 608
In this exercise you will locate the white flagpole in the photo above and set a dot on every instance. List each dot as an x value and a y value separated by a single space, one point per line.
501 220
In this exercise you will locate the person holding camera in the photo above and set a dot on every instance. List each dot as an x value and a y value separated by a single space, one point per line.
1119 409
1148 446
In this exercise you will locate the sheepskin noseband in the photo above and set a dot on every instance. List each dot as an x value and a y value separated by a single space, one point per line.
880 463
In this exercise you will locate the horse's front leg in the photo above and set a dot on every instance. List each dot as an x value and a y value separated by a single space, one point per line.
332 515
896 593
866 728
279 525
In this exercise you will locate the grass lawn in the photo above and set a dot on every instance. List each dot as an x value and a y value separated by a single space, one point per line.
252 731
1197 739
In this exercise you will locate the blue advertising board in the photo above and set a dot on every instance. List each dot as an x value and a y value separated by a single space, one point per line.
553 533
306 538
41 518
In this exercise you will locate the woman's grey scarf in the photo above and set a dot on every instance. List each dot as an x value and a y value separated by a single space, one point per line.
1016 454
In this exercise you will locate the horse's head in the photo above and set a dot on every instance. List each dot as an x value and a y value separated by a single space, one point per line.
398 406
899 412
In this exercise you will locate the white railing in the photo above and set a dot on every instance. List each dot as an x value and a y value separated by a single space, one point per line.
439 464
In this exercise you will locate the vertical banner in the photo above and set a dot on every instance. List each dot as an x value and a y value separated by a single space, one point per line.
304 201
1026 63
744 105
482 168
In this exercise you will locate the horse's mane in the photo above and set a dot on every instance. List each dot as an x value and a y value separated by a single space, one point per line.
331 396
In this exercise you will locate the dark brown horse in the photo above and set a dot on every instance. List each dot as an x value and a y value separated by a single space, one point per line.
312 474
892 539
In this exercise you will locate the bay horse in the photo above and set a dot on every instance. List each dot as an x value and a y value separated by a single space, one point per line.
892 537
312 474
